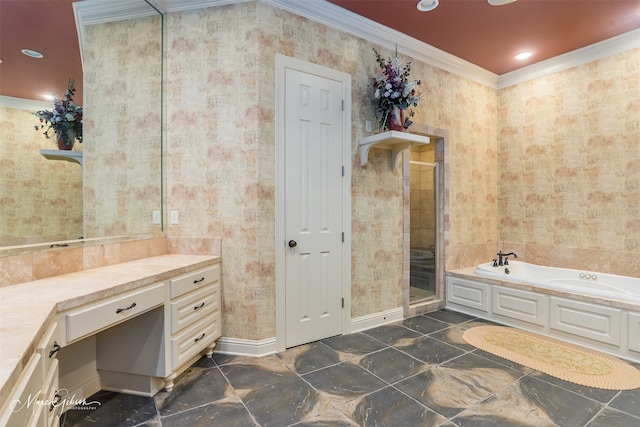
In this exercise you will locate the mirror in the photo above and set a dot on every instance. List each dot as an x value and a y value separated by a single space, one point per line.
118 189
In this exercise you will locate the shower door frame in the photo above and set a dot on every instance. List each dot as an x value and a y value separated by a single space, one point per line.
436 245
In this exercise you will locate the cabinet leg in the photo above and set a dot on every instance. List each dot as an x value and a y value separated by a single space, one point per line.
168 382
209 352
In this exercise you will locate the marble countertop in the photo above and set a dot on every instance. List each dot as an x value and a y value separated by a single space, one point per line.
27 309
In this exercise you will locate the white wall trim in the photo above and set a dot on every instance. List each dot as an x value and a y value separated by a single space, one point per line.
242 347
24 104
376 319
265 347
609 47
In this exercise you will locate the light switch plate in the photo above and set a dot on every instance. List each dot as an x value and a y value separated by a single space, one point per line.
175 217
156 217
367 126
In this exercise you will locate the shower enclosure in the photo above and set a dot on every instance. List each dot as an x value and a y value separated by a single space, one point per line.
423 231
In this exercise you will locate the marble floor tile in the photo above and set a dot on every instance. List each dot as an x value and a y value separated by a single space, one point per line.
392 365
429 350
598 394
418 372
612 418
252 373
344 381
627 401
392 334
112 409
357 344
309 357
563 407
454 386
195 387
225 412
493 412
424 324
282 404
390 407
450 316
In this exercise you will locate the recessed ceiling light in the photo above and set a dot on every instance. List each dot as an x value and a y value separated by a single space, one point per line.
499 2
32 53
427 5
523 55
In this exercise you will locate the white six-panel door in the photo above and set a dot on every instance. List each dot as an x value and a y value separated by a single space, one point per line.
313 172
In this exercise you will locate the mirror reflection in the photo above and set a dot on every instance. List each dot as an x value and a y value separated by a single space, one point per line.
117 191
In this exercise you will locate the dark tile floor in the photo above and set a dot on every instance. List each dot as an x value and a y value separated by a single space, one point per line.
418 372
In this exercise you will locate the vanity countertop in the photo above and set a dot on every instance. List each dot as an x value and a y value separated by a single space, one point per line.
27 309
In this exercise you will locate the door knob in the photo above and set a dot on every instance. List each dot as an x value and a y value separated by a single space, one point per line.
293 243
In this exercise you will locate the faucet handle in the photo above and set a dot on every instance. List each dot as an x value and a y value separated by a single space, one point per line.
506 260
495 262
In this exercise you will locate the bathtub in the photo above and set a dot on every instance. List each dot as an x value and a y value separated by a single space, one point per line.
578 281
597 310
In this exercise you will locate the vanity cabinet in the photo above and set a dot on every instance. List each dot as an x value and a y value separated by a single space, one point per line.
146 353
35 397
130 327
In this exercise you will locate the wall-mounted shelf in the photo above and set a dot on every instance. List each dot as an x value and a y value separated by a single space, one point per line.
67 155
390 140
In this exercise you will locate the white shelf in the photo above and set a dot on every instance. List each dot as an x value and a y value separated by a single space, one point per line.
390 140
67 155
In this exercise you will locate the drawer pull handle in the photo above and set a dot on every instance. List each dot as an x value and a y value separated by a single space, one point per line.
57 398
198 306
199 338
198 281
56 347
120 310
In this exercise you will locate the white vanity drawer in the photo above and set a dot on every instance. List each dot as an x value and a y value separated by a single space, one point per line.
194 339
48 347
52 396
21 408
187 283
94 317
194 306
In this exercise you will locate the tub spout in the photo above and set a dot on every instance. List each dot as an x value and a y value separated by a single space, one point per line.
500 260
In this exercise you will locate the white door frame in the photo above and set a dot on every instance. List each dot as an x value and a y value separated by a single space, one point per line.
283 63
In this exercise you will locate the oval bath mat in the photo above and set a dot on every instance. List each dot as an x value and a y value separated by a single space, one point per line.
559 359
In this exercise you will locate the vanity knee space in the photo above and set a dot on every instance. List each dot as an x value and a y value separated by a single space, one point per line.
140 341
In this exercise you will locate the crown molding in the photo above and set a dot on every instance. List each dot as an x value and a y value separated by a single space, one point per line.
23 104
323 12
609 47
344 20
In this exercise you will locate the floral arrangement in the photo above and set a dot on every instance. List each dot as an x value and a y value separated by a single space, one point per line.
65 120
394 92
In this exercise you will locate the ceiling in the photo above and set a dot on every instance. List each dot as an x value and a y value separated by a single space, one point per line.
46 26
484 35
489 36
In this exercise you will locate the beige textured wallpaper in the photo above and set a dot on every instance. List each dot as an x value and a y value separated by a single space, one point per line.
221 154
122 127
40 199
569 166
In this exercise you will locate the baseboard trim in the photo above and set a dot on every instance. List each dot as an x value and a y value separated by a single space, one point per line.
266 347
376 319
242 347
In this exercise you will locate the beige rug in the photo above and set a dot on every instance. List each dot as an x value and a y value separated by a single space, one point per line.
562 360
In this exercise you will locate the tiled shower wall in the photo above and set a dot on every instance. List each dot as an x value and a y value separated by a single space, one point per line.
569 167
422 199
221 155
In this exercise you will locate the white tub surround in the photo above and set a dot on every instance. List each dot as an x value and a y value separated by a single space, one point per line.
87 330
596 310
